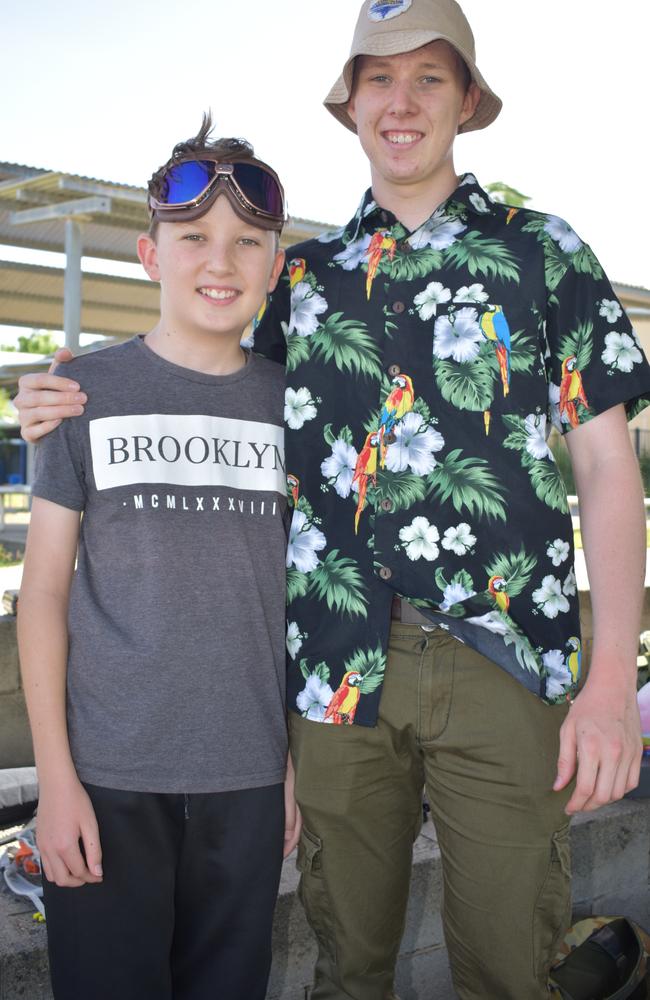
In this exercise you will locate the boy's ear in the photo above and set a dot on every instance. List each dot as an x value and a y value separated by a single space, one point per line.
148 254
278 265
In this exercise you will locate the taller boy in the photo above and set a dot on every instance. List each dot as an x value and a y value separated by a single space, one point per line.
429 343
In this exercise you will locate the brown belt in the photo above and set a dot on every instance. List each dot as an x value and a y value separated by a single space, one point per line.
405 613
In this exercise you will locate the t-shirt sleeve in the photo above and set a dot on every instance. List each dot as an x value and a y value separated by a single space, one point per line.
269 338
594 359
58 467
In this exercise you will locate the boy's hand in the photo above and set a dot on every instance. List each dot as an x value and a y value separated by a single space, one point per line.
44 400
292 817
65 817
602 736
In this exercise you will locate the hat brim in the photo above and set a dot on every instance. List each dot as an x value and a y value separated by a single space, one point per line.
395 43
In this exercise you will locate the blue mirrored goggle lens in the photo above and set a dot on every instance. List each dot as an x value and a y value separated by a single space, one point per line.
186 181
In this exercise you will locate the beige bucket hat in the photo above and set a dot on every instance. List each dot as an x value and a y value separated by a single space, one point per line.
390 27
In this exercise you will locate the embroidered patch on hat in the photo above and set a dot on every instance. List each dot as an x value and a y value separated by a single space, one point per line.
383 10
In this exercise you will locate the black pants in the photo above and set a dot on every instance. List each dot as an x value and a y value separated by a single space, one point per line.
186 906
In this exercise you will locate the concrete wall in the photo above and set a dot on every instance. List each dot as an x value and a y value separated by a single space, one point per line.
15 740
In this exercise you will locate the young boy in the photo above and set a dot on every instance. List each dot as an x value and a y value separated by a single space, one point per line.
155 673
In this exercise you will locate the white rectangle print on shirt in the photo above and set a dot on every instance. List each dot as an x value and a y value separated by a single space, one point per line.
187 450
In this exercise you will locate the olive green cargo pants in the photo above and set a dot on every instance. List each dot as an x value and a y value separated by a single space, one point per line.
487 751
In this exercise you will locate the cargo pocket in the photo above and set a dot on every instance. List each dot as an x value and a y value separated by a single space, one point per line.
553 906
313 892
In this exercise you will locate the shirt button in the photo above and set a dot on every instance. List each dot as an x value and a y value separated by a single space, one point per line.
398 307
387 505
385 573
384 217
394 370
404 246
390 438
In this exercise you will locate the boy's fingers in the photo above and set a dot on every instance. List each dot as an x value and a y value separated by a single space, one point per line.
92 850
74 861
60 357
36 381
566 763
61 874
38 398
33 434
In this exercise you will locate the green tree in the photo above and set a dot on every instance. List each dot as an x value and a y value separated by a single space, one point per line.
37 342
506 195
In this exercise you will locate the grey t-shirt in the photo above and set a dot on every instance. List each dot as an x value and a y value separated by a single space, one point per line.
176 667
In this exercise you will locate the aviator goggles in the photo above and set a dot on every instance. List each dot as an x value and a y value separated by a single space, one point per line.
252 188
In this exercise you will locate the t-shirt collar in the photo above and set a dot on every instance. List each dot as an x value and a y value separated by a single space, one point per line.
370 216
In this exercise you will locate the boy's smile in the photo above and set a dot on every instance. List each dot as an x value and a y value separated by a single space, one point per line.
214 274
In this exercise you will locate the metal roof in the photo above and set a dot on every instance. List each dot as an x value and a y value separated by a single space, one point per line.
32 296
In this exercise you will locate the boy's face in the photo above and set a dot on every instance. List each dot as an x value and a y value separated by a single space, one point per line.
214 273
407 109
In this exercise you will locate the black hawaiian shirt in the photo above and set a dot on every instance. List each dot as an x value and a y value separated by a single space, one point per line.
424 372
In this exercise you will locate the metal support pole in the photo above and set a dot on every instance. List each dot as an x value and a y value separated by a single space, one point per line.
72 285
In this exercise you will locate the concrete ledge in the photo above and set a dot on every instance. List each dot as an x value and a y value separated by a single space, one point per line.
611 851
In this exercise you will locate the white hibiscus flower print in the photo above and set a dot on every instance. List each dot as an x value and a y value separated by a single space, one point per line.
427 302
562 233
468 179
299 407
549 597
306 306
611 310
354 254
491 621
338 469
558 551
314 698
559 420
621 352
439 233
570 584
459 540
535 426
471 293
294 639
454 593
457 336
558 674
414 447
419 539
305 540
479 203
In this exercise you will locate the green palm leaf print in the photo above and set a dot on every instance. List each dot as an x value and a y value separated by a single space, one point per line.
469 484
556 264
403 489
371 664
321 670
298 350
481 255
412 265
297 584
549 485
586 262
526 657
349 345
338 582
579 343
515 568
468 385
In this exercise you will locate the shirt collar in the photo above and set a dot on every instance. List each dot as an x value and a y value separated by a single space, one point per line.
370 216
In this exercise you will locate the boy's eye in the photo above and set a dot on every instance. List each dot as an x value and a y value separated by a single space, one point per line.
249 241
379 78
193 236
431 79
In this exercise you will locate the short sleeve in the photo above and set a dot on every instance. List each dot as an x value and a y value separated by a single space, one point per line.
269 337
594 358
59 469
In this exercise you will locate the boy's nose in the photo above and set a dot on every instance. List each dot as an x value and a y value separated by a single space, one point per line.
219 260
403 101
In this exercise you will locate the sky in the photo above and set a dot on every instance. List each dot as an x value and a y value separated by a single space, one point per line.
106 91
